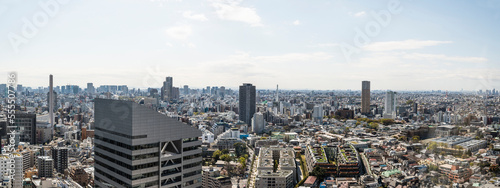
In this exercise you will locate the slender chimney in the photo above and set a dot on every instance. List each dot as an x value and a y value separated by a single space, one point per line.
51 101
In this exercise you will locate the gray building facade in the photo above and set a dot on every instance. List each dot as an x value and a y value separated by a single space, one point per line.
247 103
135 146
26 127
365 97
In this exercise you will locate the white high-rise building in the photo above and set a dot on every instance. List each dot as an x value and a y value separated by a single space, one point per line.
390 104
318 113
258 123
6 165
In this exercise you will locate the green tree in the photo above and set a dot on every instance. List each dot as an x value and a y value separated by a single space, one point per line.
408 102
415 138
318 172
373 125
403 138
433 168
432 146
275 165
387 121
240 149
216 155
225 151
226 157
243 162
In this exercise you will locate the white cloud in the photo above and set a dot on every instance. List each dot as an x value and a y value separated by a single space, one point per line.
189 45
323 45
358 14
296 22
302 57
179 32
442 57
231 10
192 16
169 44
402 45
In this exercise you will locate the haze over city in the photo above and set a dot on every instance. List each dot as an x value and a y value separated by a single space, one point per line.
445 45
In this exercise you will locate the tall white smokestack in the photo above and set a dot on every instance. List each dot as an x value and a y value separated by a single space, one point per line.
51 100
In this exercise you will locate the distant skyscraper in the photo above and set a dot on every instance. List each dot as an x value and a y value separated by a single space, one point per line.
214 91
318 113
247 102
365 97
139 147
222 91
123 88
166 91
186 90
175 93
258 123
19 88
3 90
390 104
90 88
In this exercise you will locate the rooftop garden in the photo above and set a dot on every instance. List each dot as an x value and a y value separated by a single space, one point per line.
319 155
349 156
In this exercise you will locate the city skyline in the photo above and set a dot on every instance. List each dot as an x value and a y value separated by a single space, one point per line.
235 93
235 88
423 46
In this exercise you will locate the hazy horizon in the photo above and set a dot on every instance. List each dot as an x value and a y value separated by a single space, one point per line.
320 45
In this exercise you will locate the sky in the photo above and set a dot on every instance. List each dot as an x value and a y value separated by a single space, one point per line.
320 45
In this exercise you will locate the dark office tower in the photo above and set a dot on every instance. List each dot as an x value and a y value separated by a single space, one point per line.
415 107
19 88
214 91
60 157
186 90
175 93
26 126
365 97
90 88
135 146
247 103
166 91
222 91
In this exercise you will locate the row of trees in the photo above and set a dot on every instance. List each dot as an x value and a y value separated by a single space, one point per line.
433 146
381 121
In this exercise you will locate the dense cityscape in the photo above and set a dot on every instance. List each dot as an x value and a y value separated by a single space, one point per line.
249 94
115 136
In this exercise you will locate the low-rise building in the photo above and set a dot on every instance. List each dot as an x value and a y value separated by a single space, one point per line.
211 178
455 172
